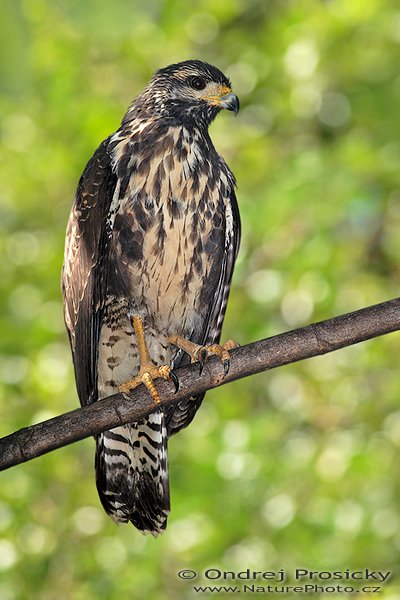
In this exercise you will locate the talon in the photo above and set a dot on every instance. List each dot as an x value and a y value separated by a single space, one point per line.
200 353
175 380
202 357
226 364
148 371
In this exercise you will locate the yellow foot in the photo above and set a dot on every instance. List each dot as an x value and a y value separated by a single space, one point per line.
201 353
148 370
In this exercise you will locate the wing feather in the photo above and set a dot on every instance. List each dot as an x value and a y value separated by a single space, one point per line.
84 275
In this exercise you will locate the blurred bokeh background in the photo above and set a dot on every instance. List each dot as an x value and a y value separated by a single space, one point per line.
296 467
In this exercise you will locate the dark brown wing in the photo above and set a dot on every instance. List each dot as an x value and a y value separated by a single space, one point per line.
83 276
182 413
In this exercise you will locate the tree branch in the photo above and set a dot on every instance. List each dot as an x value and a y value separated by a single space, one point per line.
313 340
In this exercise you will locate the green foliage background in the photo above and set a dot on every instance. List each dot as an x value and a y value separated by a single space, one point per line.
296 467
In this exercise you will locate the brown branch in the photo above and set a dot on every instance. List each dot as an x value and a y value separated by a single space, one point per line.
313 340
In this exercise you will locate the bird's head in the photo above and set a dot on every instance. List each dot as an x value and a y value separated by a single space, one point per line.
189 91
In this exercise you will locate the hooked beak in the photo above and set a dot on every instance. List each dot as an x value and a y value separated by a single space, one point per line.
230 102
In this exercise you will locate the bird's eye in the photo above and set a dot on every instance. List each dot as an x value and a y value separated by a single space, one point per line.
197 83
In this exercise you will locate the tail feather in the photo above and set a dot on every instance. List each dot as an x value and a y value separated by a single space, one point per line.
132 473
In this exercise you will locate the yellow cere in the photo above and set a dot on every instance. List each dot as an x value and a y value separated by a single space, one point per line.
216 97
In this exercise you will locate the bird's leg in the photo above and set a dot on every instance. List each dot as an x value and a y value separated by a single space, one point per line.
148 370
200 353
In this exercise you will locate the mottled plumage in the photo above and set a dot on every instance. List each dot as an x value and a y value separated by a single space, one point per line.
154 232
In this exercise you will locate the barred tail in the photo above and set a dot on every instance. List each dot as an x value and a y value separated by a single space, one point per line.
132 473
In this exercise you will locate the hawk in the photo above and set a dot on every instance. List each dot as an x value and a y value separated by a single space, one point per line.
150 248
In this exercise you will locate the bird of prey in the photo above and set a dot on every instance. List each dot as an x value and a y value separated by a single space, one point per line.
150 248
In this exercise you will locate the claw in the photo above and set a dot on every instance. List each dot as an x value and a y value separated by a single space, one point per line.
226 364
202 359
175 380
200 353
